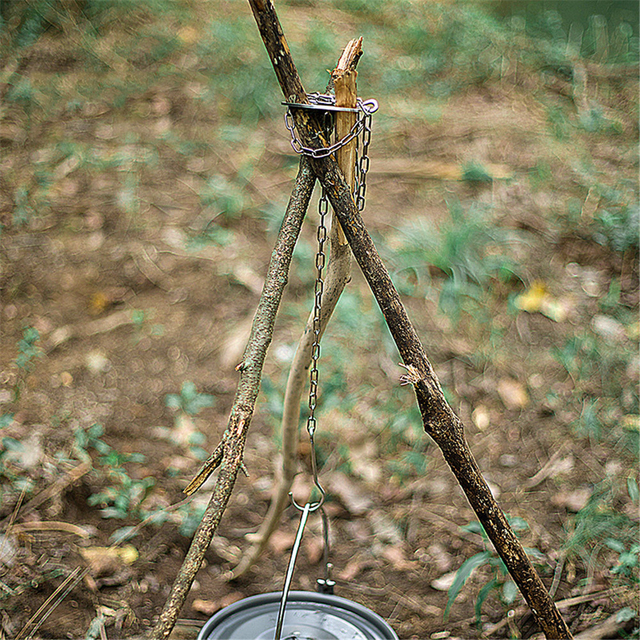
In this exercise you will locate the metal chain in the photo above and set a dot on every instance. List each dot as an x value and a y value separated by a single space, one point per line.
325 102
365 111
321 258
362 162
362 125
326 584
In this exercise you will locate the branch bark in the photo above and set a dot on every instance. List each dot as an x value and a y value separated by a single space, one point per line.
439 420
338 274
229 453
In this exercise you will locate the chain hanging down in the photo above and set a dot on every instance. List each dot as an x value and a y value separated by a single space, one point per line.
323 208
365 110
326 584
362 126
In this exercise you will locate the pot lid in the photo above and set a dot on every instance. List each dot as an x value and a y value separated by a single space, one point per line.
308 616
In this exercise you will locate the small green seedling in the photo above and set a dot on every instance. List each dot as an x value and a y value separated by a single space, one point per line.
28 352
124 495
189 400
499 580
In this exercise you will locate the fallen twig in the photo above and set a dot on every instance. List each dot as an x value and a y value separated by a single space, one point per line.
103 325
55 489
54 600
51 525
561 604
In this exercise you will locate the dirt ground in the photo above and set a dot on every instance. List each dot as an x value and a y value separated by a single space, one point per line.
131 299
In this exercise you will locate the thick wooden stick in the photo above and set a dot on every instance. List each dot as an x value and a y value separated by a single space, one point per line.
440 422
229 453
344 83
337 276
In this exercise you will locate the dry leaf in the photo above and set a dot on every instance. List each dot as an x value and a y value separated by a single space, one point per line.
481 417
440 556
353 568
384 528
246 276
572 500
444 582
107 560
350 494
609 328
234 343
209 607
554 309
513 394
183 430
314 548
29 455
396 556
226 550
281 541
8 551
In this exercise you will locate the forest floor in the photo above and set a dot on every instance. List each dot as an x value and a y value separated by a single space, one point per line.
139 212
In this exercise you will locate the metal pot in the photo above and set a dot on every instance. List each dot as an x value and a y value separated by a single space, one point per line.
308 616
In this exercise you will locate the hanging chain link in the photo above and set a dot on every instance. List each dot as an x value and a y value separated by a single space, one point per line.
362 125
321 259
326 103
365 111
362 162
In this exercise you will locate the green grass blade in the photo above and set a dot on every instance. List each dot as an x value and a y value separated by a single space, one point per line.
465 570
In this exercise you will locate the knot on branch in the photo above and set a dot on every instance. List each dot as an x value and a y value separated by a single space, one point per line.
427 379
411 377
230 450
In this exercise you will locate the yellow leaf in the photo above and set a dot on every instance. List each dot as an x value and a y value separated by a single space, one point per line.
532 299
188 35
128 554
108 560
513 395
553 309
631 422
536 299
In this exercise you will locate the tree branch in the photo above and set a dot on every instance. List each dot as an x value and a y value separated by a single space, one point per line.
338 274
229 453
440 422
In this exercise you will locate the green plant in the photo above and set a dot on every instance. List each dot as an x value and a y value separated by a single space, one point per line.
223 196
628 559
239 79
617 227
28 353
476 172
499 580
588 423
464 254
600 522
124 495
189 517
89 438
6 419
211 234
189 400
9 446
